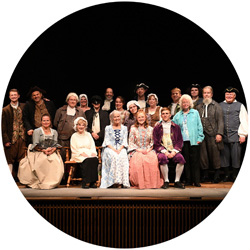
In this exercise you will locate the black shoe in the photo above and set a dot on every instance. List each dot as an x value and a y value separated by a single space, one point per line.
165 185
188 183
226 178
178 184
84 185
197 184
216 180
205 179
93 185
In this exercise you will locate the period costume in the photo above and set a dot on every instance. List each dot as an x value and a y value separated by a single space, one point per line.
192 132
213 124
167 137
154 117
38 170
32 114
13 131
64 122
143 168
97 121
115 167
175 108
109 105
235 125
84 143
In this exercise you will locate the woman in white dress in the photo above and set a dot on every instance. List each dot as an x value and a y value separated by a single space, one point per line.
115 165
43 167
83 151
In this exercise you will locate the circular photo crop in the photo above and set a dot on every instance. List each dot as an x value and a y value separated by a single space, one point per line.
124 125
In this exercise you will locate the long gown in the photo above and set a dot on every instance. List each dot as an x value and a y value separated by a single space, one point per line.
37 170
144 169
115 167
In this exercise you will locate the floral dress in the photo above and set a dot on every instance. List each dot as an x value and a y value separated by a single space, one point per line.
143 168
115 167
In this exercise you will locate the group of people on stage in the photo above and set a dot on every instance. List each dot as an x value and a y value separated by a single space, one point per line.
194 134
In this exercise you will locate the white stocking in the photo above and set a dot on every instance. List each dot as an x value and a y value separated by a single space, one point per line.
178 171
164 171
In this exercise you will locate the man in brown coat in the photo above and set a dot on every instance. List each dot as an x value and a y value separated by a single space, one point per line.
13 131
213 126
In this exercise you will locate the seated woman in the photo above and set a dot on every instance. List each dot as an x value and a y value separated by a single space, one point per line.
143 166
83 151
115 166
43 167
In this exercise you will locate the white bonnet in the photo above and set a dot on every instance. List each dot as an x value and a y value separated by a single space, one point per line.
132 102
80 97
77 119
152 94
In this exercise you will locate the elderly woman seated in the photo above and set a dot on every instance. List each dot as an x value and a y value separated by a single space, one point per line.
84 152
115 165
43 167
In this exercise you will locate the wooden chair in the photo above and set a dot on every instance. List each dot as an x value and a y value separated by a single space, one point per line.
72 165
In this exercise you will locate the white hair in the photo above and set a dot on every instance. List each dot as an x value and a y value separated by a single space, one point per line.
77 120
72 94
111 116
186 97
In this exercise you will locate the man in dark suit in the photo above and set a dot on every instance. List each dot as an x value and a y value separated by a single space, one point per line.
97 119
13 131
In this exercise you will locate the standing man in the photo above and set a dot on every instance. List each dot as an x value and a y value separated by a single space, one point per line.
175 106
140 90
109 104
97 119
34 109
213 128
235 132
168 143
13 131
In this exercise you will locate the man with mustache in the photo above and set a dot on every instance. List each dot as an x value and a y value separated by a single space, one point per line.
213 127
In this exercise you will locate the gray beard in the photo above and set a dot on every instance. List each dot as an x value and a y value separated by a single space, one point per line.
207 101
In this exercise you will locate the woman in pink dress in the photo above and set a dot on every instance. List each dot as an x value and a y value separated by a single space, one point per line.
143 165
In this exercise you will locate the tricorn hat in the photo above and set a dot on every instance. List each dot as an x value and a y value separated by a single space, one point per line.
96 99
141 85
231 89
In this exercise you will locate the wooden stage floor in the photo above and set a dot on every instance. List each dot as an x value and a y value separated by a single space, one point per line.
206 191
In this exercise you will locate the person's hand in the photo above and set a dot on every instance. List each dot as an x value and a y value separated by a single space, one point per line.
198 142
242 139
8 144
84 154
30 132
218 138
95 136
172 154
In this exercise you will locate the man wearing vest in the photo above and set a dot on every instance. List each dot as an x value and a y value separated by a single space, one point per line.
235 132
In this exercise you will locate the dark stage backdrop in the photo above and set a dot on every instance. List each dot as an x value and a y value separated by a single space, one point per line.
119 45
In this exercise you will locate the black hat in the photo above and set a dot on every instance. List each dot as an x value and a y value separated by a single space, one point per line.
141 85
35 88
195 85
231 89
96 99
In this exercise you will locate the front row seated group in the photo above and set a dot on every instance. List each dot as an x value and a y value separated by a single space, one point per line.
140 160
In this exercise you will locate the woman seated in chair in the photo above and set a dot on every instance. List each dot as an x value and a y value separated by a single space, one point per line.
143 165
43 167
83 151
115 166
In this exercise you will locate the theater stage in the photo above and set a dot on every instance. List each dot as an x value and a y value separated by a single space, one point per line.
126 218
211 191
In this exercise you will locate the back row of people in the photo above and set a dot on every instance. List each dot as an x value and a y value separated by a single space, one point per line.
224 125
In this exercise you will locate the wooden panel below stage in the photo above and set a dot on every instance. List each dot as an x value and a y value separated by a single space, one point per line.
124 223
